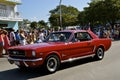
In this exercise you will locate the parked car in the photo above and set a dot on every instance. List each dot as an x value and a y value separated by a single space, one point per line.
59 47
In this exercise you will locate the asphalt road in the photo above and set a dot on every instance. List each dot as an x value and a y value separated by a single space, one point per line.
84 69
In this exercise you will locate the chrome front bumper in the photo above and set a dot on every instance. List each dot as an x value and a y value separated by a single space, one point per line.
17 61
28 60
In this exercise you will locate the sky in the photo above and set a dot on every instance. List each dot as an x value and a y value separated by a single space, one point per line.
36 10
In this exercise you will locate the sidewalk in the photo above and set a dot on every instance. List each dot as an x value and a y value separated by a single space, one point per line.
4 56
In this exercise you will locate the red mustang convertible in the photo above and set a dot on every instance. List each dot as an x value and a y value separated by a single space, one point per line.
58 47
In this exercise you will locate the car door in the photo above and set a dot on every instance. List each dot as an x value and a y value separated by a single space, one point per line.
83 46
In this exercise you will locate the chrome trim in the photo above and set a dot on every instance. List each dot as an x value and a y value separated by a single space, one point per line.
72 59
94 48
29 60
26 64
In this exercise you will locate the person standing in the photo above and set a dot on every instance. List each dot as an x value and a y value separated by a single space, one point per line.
12 38
22 37
17 35
41 35
1 42
6 41
33 37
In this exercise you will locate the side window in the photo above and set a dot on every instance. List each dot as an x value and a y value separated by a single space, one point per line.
73 39
82 36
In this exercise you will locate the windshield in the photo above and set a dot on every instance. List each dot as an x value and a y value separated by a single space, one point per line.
58 37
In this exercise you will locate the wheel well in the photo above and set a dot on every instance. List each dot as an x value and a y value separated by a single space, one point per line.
53 54
101 47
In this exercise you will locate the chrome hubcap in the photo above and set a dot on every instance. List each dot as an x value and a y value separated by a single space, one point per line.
52 64
100 53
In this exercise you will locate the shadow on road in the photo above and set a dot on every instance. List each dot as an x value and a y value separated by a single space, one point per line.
17 74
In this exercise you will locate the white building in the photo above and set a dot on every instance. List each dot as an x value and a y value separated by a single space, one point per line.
9 16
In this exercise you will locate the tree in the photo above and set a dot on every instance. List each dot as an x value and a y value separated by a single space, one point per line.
102 12
24 23
69 16
82 20
33 25
42 24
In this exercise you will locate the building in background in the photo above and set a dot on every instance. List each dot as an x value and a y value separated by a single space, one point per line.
9 16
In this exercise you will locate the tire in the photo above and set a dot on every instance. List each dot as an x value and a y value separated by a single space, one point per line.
52 63
99 54
22 68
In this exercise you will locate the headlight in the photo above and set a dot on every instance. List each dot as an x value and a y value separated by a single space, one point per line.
33 53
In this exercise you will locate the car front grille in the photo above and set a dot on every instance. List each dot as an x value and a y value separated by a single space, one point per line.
16 52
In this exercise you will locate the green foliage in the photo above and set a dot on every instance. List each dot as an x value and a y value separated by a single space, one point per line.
39 24
101 12
23 24
69 16
42 24
33 25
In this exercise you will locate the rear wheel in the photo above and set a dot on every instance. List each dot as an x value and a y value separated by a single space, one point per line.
99 53
52 63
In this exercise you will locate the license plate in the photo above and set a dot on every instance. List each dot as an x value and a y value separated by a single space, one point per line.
17 63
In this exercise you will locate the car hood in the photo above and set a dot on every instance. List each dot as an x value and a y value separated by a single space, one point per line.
36 46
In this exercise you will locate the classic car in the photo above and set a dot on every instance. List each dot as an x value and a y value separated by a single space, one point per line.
59 47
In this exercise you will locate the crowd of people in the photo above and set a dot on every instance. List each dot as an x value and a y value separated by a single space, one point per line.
113 33
20 37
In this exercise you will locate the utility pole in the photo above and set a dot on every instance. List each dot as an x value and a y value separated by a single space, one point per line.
60 14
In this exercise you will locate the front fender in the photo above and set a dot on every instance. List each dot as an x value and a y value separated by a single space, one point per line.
53 53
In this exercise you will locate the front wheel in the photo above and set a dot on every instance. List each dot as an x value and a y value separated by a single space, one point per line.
22 68
99 53
52 63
